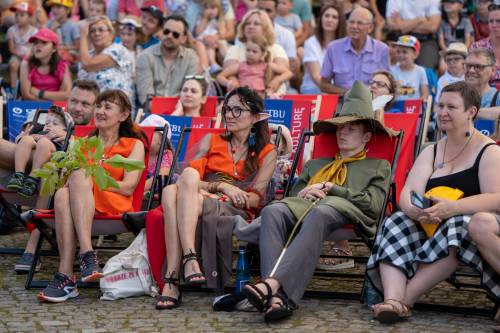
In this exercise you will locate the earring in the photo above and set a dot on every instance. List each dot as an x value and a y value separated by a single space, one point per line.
251 138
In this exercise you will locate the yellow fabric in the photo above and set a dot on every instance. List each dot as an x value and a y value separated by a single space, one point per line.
444 192
336 171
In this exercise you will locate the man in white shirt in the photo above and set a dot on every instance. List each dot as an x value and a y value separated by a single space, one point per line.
420 18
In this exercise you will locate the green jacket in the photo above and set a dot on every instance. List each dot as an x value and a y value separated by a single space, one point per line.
360 199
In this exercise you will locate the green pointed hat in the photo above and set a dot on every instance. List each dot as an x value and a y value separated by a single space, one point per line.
357 106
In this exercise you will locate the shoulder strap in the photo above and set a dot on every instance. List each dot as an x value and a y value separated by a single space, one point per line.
478 158
494 100
435 152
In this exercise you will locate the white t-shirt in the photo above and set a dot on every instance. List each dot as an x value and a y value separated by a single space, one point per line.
312 53
445 80
409 82
410 9
286 39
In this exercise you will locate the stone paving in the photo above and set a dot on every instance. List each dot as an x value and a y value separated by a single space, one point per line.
21 312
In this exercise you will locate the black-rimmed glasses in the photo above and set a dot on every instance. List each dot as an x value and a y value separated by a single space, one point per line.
235 111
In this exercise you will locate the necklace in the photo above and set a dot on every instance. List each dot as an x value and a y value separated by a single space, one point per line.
441 165
235 161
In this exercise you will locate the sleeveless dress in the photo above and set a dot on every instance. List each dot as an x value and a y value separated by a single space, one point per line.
112 203
402 243
48 82
252 76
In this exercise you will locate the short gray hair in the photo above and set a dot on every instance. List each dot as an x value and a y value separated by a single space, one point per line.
487 53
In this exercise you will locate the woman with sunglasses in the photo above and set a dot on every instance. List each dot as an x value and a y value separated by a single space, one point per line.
192 97
110 65
228 176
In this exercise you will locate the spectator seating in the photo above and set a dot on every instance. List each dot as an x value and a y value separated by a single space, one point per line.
103 224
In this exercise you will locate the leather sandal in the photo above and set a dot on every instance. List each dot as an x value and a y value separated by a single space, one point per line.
388 313
256 297
190 280
176 302
281 312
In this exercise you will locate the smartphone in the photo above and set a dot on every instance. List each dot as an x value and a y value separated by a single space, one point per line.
419 200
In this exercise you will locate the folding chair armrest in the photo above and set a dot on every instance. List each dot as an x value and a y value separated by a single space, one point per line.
28 216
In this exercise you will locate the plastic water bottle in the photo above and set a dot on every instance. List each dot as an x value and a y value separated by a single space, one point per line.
242 270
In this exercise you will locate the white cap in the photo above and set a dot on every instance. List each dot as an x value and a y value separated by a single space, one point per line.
155 120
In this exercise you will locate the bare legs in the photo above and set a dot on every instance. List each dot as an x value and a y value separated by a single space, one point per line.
74 212
182 206
23 152
484 230
7 154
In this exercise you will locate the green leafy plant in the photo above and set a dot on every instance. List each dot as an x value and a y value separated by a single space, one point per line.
86 154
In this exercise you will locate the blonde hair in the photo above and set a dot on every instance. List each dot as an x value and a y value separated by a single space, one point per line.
265 21
215 4
104 19
263 44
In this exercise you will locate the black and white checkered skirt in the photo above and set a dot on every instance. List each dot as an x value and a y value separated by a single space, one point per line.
403 244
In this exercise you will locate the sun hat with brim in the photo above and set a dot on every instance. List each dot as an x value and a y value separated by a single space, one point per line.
455 48
45 35
155 120
65 3
357 107
22 7
129 20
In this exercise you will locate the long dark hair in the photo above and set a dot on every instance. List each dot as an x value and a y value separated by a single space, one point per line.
128 129
53 61
255 104
341 27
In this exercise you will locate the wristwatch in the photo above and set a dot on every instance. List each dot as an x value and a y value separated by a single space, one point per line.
41 93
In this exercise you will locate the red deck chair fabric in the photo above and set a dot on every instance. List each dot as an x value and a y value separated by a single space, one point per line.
155 235
166 105
409 124
380 146
102 228
328 105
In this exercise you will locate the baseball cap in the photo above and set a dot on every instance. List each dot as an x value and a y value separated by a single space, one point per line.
409 41
65 3
22 7
456 48
130 20
155 11
45 35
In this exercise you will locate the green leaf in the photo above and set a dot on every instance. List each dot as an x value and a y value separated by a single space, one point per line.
99 151
118 161
41 173
112 182
100 177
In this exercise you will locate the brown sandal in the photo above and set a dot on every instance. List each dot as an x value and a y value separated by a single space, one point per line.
388 313
333 264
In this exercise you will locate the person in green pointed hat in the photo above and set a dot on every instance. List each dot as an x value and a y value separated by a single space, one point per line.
329 193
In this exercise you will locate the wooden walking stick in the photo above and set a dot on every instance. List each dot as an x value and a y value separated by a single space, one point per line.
292 234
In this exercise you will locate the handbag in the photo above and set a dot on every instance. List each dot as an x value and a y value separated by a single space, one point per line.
128 273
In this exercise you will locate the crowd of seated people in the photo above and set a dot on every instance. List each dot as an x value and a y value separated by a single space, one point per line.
107 59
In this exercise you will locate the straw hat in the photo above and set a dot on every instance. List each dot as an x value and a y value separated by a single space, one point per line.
357 106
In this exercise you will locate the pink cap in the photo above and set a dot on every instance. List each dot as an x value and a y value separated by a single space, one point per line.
45 35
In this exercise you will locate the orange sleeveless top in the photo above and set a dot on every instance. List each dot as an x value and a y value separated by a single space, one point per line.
112 203
219 160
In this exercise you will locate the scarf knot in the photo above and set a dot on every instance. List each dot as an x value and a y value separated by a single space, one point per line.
336 171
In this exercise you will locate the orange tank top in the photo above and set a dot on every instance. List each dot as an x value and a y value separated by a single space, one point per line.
219 160
112 203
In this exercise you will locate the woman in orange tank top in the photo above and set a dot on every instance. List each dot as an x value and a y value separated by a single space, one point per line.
79 200
229 176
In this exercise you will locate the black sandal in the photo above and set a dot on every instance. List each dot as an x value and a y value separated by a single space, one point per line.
176 302
282 312
189 279
258 299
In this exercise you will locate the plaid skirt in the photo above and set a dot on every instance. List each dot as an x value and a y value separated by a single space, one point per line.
402 243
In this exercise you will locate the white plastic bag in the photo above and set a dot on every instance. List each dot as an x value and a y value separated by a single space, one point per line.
128 273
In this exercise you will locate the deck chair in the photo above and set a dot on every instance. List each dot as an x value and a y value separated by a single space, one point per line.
166 105
103 224
9 198
380 146
326 104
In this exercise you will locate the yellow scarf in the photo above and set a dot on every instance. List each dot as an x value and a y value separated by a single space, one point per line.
336 171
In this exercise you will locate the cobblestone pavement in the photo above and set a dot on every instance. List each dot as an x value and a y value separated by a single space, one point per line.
21 312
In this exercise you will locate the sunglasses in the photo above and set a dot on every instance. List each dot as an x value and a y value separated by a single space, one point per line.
477 67
175 34
235 111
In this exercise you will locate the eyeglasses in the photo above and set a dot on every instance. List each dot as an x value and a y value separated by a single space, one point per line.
175 34
378 84
127 27
194 77
451 60
101 30
476 67
235 111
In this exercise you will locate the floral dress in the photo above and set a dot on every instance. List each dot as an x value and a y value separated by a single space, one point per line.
119 77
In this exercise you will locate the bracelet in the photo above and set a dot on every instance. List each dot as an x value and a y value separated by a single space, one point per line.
41 93
213 187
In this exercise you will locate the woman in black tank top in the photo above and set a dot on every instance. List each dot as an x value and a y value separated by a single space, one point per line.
405 260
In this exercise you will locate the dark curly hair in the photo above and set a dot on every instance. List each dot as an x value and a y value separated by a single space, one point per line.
255 104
